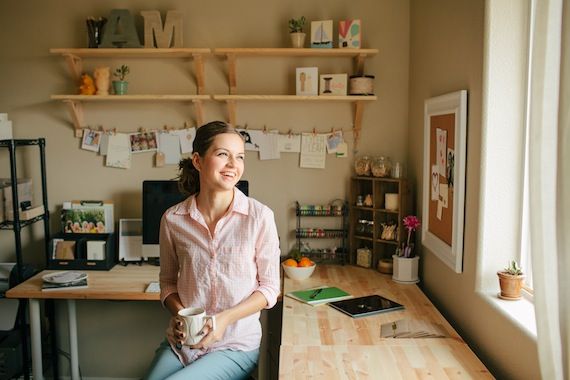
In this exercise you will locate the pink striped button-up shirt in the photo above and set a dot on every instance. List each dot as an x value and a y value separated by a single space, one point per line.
217 272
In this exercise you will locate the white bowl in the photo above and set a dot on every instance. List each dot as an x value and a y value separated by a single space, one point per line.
298 273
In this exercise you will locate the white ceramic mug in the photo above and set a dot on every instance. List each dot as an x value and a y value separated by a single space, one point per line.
194 320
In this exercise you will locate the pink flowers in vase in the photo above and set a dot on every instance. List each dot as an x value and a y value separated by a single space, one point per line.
412 223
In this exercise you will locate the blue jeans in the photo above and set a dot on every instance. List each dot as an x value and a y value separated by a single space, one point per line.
222 365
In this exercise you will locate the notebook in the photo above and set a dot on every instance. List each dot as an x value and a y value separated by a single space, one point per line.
365 306
319 295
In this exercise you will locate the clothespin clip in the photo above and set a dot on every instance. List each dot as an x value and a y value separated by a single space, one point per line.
114 131
314 131
185 125
290 133
265 129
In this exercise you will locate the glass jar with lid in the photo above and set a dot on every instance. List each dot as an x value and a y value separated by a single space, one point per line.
381 166
362 166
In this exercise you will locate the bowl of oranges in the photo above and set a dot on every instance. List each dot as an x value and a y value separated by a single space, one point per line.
299 267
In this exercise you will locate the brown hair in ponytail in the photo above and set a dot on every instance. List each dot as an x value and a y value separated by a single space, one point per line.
189 177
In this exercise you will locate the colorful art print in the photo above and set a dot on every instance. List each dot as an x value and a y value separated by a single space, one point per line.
321 34
83 221
91 140
333 84
307 81
349 34
143 142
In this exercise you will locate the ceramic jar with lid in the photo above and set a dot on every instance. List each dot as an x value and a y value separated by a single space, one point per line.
362 166
381 166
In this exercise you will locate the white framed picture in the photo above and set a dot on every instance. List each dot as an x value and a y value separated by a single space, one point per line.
307 81
333 84
91 140
322 34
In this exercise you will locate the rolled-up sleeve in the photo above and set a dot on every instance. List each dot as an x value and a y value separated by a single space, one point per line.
267 254
168 261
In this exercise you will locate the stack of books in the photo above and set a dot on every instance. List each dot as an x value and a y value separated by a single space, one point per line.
65 280
320 295
412 328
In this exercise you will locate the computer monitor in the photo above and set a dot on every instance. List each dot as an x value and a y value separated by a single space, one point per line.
157 197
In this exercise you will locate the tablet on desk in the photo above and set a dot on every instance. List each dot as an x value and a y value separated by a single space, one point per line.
367 305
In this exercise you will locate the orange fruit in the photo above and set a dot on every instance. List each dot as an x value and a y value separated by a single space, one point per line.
290 263
305 262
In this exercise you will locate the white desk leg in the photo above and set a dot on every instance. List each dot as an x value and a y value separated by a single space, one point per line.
72 319
36 337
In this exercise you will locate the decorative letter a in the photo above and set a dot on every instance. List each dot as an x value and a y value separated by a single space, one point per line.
120 31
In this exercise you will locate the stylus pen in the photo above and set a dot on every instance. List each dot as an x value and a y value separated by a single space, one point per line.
316 293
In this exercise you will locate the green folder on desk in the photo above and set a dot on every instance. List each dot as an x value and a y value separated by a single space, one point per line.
319 295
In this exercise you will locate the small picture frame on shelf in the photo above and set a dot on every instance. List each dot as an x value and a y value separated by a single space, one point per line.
349 34
333 84
322 34
307 81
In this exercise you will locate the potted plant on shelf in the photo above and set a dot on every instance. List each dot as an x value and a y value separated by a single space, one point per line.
405 265
511 281
296 32
121 86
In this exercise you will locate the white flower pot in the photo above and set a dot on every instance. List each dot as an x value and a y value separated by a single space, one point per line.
297 40
405 270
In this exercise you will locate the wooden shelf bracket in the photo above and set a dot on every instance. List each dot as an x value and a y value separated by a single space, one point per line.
75 65
356 128
232 78
199 72
199 110
75 109
231 105
359 63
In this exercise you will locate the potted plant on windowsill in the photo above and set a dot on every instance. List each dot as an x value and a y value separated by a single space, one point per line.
121 86
405 261
511 281
296 32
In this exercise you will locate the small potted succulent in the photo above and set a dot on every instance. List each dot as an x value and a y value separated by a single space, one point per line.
121 86
405 261
296 31
511 281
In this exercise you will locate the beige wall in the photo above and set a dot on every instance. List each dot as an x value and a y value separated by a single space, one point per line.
446 55
126 333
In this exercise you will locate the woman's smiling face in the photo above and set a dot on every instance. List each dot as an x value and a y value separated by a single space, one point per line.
223 164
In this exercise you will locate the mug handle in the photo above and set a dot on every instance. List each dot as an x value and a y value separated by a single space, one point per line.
212 318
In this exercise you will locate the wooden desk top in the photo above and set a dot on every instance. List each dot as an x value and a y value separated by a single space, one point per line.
323 343
120 283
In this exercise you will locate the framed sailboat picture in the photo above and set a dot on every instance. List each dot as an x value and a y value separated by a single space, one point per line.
349 34
322 34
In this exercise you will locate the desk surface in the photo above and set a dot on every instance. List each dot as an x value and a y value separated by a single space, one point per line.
320 342
120 283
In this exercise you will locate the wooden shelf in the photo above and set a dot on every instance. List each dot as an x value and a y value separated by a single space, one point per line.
133 53
294 98
123 98
293 52
75 104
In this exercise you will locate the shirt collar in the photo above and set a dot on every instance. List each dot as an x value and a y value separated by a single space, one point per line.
240 205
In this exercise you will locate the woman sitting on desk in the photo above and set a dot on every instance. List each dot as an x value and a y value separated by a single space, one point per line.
219 251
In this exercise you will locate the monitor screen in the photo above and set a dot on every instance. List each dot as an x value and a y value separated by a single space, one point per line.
157 197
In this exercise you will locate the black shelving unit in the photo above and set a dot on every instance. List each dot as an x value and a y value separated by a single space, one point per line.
336 209
17 226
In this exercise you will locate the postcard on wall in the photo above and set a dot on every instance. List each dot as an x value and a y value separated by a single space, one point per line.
333 84
349 34
443 194
441 150
170 147
119 151
290 143
143 142
269 146
342 150
313 151
250 137
186 137
307 81
434 183
334 140
104 144
91 140
450 166
322 34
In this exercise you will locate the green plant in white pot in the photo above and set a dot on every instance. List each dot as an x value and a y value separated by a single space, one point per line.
121 86
296 31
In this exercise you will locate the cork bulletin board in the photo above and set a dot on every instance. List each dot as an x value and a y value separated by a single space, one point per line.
445 133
